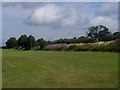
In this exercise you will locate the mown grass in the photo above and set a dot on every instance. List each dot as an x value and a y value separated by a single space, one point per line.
54 69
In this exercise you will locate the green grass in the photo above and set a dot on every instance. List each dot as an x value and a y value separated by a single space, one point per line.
54 69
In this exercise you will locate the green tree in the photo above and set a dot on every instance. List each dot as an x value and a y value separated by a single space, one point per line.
41 42
23 42
30 42
93 32
116 35
100 33
11 42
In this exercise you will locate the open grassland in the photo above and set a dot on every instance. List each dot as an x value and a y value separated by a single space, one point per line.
54 69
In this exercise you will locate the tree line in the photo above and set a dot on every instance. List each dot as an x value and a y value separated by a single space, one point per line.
25 42
94 34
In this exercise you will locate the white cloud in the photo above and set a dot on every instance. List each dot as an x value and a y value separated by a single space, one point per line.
46 15
71 20
106 14
112 24
79 18
53 15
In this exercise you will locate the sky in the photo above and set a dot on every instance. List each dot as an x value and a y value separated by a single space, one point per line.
60 0
56 20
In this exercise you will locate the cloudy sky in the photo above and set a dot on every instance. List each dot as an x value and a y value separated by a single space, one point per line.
56 20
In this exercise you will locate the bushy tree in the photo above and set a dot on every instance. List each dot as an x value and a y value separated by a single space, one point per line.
30 42
105 35
100 33
11 42
83 39
93 32
116 35
23 41
41 42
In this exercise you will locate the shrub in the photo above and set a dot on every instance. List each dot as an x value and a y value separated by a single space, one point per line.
112 47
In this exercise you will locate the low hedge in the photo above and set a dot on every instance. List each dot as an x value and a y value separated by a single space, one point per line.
112 47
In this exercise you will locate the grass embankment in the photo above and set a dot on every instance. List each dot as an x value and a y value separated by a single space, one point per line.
54 69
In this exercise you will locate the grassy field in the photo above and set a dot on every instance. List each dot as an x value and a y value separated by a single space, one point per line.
53 69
